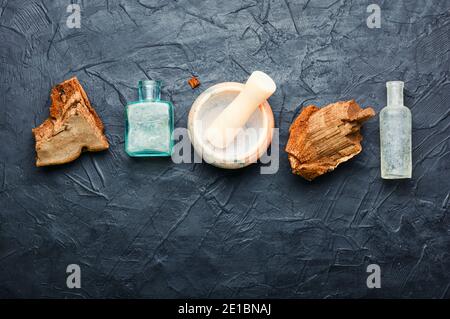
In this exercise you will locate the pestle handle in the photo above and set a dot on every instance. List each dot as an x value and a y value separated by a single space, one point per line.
258 88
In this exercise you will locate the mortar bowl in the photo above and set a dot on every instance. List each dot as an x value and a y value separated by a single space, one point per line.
251 142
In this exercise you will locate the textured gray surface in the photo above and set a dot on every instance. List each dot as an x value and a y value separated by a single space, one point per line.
150 228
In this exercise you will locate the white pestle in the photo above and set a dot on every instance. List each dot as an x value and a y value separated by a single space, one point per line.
223 130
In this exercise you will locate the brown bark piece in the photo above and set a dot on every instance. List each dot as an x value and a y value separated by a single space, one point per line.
321 139
73 126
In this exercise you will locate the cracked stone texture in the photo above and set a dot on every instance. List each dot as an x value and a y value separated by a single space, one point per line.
151 228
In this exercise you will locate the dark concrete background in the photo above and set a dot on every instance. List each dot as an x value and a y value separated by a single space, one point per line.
151 228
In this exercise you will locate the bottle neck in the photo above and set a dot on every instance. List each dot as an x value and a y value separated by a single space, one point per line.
149 90
395 93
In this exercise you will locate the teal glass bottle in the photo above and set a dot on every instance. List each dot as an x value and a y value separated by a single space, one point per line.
149 123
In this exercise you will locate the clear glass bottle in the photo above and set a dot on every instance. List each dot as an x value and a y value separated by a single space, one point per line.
395 135
149 123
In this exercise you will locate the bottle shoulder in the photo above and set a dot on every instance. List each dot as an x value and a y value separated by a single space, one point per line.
150 103
392 115
395 110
